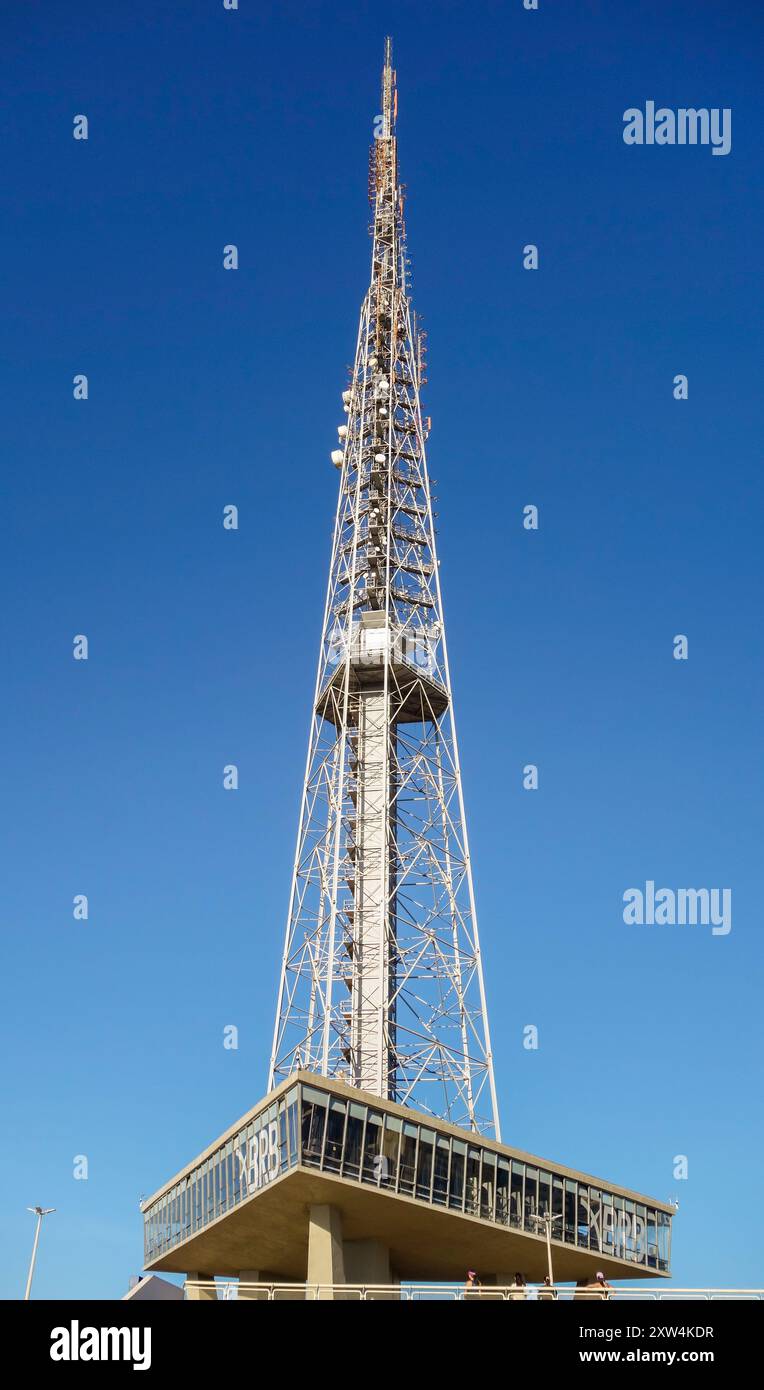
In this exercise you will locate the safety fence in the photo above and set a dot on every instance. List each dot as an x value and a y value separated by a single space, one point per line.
234 1290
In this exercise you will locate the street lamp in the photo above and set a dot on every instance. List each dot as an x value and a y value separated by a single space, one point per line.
546 1221
39 1212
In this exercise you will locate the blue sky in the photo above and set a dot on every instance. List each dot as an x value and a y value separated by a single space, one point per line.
210 387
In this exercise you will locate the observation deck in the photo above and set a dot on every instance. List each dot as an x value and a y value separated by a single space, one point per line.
327 1183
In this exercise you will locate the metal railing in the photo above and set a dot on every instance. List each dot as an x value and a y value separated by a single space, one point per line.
228 1290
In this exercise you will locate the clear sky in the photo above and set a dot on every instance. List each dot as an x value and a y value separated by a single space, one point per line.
207 387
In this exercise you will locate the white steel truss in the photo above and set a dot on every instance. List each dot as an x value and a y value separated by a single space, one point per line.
382 980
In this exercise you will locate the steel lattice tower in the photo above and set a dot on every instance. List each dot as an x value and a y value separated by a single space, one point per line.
382 981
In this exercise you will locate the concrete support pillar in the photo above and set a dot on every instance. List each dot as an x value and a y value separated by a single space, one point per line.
504 1280
201 1295
368 1262
252 1276
326 1264
267 1276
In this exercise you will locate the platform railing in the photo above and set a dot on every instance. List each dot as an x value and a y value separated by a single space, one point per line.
231 1290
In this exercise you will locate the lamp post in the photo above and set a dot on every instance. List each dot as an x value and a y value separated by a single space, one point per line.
39 1212
546 1221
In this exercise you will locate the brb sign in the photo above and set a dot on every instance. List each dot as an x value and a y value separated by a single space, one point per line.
616 1230
258 1159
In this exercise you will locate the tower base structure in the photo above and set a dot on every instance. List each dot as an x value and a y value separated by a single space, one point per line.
322 1183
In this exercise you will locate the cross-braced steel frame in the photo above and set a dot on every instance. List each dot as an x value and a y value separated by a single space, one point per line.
382 979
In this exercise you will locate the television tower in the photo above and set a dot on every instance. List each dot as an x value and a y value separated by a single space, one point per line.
382 979
375 1157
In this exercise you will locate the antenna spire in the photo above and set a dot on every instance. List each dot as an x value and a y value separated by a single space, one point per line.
389 94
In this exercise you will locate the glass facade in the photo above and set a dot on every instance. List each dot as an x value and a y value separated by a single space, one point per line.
262 1150
367 1144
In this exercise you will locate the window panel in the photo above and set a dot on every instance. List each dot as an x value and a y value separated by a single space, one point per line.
640 1234
458 1171
664 1240
618 1226
351 1164
391 1140
424 1164
594 1207
283 1160
372 1148
292 1126
199 1201
516 1194
608 1221
569 1223
407 1165
472 1188
582 1217
488 1185
335 1134
652 1238
313 1125
502 1191
440 1175
530 1203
